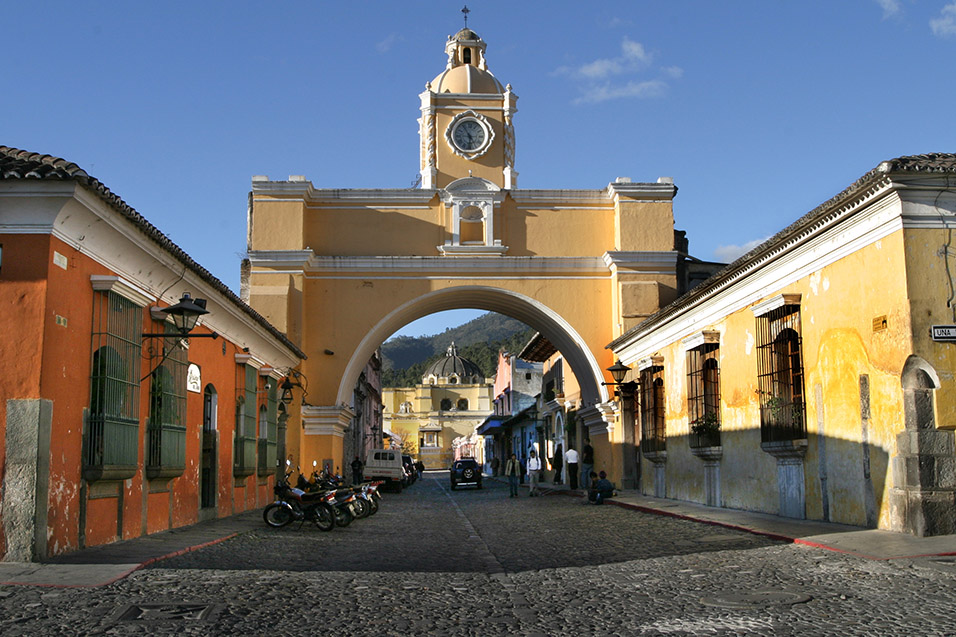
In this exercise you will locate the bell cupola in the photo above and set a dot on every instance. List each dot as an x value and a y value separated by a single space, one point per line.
466 125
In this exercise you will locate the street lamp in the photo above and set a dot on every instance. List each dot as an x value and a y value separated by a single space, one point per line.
185 315
618 371
293 379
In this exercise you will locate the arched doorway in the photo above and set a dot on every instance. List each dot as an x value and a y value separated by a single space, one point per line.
208 461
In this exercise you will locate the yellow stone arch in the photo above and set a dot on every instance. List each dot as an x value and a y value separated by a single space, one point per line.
340 270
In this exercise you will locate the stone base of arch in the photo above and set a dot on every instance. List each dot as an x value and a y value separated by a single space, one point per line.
332 420
323 436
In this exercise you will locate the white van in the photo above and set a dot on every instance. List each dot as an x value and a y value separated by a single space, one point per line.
385 464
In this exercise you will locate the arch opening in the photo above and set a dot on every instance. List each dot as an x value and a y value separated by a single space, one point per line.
532 313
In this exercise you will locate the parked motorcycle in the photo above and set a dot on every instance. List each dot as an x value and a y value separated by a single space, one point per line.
296 504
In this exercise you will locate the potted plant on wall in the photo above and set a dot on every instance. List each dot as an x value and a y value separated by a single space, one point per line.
706 428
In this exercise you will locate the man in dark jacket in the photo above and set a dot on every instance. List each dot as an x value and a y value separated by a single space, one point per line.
357 468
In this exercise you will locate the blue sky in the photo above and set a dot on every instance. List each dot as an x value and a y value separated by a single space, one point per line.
759 110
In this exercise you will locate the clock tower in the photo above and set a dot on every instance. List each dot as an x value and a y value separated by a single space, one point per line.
466 125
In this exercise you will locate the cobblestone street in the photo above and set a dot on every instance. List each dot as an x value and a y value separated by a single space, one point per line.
476 562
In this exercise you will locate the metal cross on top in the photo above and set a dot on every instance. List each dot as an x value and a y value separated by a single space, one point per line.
466 11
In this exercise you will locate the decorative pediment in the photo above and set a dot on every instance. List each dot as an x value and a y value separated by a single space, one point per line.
472 202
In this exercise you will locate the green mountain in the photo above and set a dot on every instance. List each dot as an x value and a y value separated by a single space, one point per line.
405 358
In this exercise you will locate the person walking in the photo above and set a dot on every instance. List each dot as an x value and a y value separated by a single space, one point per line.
557 461
587 463
571 456
512 472
534 473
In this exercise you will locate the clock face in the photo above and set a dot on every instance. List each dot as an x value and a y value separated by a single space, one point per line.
468 135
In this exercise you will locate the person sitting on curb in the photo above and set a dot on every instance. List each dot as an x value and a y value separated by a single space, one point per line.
601 488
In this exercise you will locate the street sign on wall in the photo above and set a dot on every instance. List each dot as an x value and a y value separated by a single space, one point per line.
944 333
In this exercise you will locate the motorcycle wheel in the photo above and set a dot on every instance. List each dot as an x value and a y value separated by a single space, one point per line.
277 515
323 518
361 508
372 506
342 517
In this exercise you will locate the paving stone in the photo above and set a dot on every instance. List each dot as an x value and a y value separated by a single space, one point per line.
473 562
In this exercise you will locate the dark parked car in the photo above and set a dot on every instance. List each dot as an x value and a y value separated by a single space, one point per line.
465 471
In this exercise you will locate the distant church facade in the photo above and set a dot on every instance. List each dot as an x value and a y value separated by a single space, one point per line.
453 398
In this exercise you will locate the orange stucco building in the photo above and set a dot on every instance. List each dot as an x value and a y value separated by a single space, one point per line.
108 431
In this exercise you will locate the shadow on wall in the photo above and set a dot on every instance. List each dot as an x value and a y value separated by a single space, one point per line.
830 479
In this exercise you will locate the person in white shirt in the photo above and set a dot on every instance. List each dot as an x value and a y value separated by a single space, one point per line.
571 457
534 472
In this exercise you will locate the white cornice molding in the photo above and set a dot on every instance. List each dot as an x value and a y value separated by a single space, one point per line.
600 418
326 420
701 338
774 302
469 250
649 362
643 262
641 191
478 97
263 191
119 285
536 197
439 265
281 259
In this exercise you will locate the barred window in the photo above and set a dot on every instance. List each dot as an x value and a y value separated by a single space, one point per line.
653 429
268 430
703 395
780 375
166 433
463 404
111 448
244 451
263 423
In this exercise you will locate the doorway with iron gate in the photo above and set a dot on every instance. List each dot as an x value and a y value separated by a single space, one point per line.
208 459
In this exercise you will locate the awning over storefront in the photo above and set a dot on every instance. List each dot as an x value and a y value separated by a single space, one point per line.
489 427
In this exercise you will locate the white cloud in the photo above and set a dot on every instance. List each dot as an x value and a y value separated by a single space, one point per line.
890 7
386 45
945 24
726 254
605 92
606 78
675 72
634 57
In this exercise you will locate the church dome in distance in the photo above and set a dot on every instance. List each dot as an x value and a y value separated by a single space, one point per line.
452 369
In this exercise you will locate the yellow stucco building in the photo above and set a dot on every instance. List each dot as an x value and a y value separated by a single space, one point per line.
340 270
807 378
453 398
